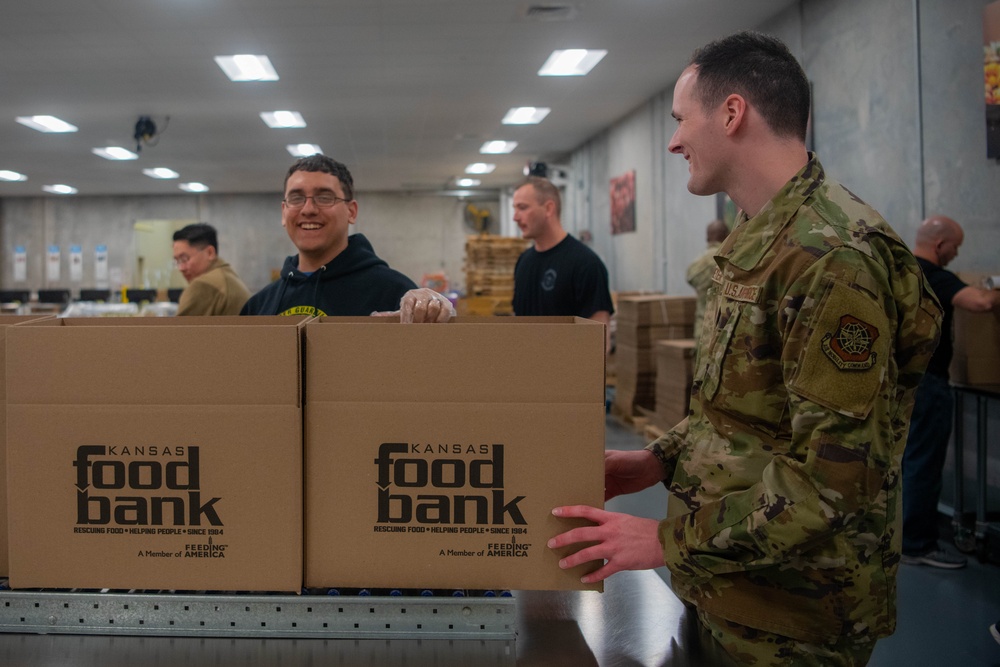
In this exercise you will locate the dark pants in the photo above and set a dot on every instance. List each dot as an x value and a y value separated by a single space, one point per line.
923 461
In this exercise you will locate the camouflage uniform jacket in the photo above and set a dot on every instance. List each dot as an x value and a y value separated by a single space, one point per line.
789 460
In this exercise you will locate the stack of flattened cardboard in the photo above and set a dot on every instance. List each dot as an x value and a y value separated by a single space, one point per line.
642 320
674 373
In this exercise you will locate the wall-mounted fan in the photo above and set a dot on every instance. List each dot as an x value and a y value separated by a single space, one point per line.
477 219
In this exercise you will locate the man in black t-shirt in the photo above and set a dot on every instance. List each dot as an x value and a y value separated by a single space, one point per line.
559 275
938 240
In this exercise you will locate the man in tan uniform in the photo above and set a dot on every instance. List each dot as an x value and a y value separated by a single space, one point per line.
213 287
820 328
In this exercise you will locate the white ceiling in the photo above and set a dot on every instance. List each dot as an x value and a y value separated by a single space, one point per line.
403 91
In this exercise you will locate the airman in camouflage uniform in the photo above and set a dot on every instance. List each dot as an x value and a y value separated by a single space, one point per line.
819 327
790 459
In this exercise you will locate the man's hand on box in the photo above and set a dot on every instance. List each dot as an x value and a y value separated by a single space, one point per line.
629 471
422 305
623 541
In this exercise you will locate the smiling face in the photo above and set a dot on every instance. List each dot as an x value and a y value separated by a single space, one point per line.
320 234
698 137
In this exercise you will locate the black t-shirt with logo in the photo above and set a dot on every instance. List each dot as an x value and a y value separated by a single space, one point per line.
567 279
945 285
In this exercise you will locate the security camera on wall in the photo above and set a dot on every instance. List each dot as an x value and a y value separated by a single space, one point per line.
558 174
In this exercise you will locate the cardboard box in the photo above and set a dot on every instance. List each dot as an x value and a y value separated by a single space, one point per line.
655 309
674 376
435 454
155 453
976 358
6 321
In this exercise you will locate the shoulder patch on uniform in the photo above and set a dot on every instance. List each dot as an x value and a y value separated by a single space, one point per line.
850 347
844 350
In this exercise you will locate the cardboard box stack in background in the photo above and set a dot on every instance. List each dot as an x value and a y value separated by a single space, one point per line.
674 374
434 459
976 338
489 274
641 320
155 453
5 322
976 359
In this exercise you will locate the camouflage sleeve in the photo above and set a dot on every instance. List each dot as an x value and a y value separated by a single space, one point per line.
841 433
665 448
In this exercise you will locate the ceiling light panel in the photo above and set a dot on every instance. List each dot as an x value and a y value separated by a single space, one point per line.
283 119
46 124
193 187
480 168
114 153
571 62
247 68
303 150
160 172
60 189
525 115
498 147
8 175
468 182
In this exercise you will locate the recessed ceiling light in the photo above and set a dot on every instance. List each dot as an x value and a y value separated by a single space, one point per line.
247 68
8 175
571 62
497 147
525 115
480 168
468 182
193 187
160 172
114 153
60 189
46 124
303 150
282 119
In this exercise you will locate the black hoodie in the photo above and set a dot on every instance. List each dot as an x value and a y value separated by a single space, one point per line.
355 282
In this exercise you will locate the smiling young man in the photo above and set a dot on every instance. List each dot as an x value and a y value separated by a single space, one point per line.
819 327
213 286
335 273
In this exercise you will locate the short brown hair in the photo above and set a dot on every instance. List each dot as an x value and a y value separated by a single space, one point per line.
545 191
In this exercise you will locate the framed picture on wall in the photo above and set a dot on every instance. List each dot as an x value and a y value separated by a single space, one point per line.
991 75
623 203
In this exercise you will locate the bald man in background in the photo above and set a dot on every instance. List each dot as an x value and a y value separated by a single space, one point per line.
938 240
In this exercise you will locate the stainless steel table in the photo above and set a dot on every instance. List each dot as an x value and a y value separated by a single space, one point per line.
636 621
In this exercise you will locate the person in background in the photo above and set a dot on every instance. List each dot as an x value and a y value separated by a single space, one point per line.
938 240
335 273
788 463
213 286
559 275
700 271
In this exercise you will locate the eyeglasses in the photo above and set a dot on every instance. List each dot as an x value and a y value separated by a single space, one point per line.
324 200
181 260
